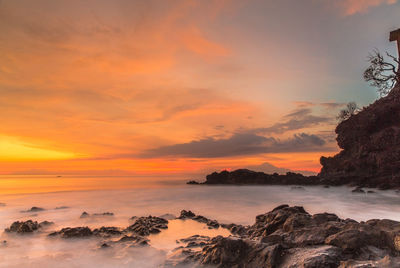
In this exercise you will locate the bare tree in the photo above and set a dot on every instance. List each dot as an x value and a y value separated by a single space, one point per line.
350 109
382 74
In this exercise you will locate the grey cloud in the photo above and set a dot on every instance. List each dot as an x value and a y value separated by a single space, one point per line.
239 144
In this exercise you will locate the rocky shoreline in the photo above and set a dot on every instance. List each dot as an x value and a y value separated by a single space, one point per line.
284 237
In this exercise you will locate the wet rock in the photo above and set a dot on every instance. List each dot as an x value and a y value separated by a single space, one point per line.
312 257
190 215
358 190
386 262
107 231
105 246
186 215
194 241
232 252
135 240
110 214
291 237
75 232
104 214
297 188
371 192
192 182
235 229
22 227
145 226
62 207
168 216
84 215
44 224
34 209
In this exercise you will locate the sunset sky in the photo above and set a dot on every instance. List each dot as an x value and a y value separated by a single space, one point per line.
152 87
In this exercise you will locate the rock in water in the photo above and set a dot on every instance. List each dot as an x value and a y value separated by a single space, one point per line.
370 143
21 227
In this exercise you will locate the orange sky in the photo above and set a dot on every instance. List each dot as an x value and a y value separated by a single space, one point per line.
184 87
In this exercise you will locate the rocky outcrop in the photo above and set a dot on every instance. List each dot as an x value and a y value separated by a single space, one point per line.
245 176
21 227
190 215
145 226
370 143
291 237
74 232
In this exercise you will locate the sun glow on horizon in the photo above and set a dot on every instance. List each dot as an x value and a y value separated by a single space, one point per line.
12 149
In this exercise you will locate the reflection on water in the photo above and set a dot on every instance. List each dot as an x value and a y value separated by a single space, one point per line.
237 204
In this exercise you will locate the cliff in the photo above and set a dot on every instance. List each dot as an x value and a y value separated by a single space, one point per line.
370 143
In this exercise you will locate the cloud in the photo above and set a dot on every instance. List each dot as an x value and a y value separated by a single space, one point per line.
351 7
298 119
239 144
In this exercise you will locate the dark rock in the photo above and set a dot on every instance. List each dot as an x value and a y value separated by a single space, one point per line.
190 215
75 232
291 237
371 192
22 227
107 231
103 214
62 207
44 224
192 182
84 215
145 226
370 143
167 217
312 257
358 190
34 209
245 176
134 240
104 246
186 215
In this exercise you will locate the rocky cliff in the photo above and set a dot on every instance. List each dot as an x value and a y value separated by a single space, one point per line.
370 143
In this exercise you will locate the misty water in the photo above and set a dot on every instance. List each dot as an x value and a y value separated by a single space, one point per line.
133 197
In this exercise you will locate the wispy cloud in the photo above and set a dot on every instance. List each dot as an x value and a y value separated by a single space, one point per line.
351 7
239 144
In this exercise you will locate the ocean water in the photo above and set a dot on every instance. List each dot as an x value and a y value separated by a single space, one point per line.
127 197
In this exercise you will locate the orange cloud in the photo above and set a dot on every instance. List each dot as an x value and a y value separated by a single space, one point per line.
351 7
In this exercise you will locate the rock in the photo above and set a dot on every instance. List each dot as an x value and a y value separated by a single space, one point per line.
190 215
87 215
245 176
195 241
34 209
358 190
233 252
84 215
109 214
192 182
291 237
145 226
298 188
22 227
186 215
312 257
75 232
167 217
2 204
104 246
371 192
386 262
62 207
107 231
134 240
44 224
370 143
